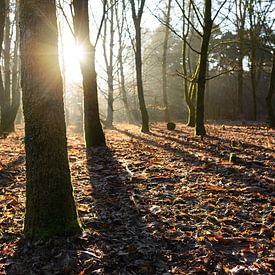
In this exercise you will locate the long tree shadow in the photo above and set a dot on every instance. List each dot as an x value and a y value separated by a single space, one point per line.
128 248
203 218
222 149
222 143
216 168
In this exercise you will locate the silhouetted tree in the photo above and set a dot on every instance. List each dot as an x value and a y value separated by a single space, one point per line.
137 15
94 135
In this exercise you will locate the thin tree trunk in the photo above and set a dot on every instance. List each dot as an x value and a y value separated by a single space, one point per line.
138 57
5 98
199 128
109 65
15 88
270 111
143 109
94 135
120 27
242 14
164 64
189 91
3 10
50 207
253 60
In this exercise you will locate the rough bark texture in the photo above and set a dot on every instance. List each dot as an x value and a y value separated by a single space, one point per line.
137 20
199 128
94 135
50 206
270 111
164 64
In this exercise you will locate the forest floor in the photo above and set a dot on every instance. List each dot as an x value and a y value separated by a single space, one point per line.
158 203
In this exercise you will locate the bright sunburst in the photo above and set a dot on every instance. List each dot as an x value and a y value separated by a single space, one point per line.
72 54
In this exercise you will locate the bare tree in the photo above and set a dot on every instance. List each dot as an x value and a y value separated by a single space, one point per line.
94 135
109 62
164 63
137 13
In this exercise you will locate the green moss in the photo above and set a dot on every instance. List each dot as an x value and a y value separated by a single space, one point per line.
43 233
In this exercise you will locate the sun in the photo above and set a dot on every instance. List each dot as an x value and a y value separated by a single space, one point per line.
79 52
72 54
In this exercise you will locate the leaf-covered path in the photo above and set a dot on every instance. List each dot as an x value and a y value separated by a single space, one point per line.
158 203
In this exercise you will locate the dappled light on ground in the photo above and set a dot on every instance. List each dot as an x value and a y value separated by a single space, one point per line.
158 203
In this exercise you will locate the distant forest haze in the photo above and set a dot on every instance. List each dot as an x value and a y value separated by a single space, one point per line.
161 81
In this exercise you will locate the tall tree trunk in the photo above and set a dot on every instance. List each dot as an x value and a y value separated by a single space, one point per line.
253 59
109 65
208 23
50 207
15 87
242 7
5 98
270 110
142 106
138 57
189 91
120 27
3 10
94 135
164 64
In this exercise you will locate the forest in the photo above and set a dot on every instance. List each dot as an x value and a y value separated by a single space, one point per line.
137 137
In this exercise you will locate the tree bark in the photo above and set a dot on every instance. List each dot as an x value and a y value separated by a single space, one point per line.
138 57
164 64
50 206
189 91
5 91
94 135
241 19
3 10
253 60
120 27
15 86
208 23
109 65
270 111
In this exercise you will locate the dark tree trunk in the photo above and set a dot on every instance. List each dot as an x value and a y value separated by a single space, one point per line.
241 19
199 128
142 106
94 135
270 111
164 65
253 43
10 93
50 206
5 91
15 87
3 10
137 15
